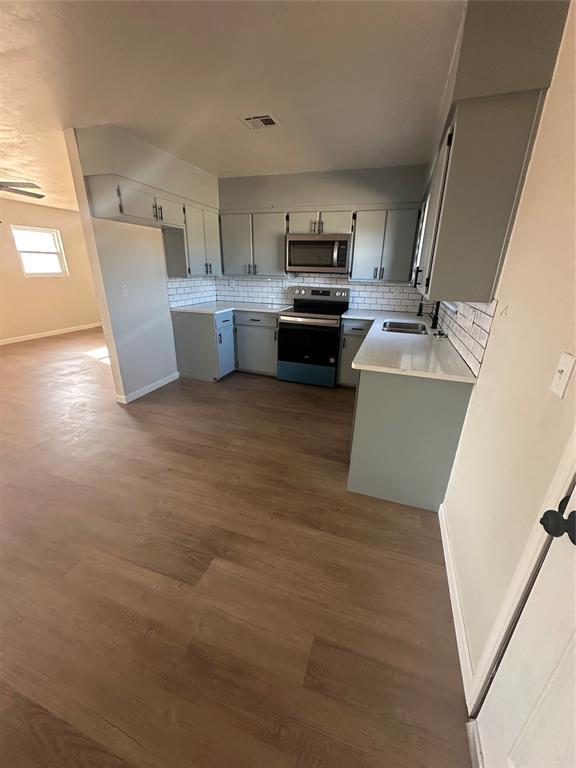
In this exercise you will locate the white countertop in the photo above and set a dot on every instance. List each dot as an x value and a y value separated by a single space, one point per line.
214 307
407 354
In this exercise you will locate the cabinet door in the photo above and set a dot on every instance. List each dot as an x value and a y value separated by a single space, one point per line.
256 349
212 243
368 244
169 212
269 240
136 203
399 241
349 347
336 222
303 222
175 251
431 213
236 231
226 351
195 238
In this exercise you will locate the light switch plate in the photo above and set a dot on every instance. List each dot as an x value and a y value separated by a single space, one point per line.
562 374
124 289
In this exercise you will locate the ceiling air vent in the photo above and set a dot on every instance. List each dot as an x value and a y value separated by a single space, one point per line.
259 121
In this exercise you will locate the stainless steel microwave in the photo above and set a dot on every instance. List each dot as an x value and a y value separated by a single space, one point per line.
318 253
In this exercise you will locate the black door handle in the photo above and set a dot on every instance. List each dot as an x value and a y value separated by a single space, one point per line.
555 524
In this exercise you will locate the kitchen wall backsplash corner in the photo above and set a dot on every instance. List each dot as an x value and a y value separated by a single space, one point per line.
468 328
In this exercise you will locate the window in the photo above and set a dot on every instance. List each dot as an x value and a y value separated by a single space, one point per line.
40 250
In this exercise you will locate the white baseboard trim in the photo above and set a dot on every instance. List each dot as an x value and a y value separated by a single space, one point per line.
125 399
473 733
457 613
59 332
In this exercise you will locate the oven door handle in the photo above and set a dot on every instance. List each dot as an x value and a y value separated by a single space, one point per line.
310 321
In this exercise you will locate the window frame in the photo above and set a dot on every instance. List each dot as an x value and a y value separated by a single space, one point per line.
61 256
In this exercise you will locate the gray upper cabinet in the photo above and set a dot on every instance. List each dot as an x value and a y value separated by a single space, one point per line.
203 236
384 244
304 222
236 229
269 243
368 244
488 156
136 203
430 214
320 222
399 241
195 238
212 242
169 212
335 222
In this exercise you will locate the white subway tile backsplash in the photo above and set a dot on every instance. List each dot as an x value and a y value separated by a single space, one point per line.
399 297
468 328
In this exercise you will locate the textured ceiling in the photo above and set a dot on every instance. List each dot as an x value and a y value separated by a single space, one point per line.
353 84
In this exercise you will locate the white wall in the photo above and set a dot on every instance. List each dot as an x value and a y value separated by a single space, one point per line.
109 149
40 305
354 188
133 256
516 430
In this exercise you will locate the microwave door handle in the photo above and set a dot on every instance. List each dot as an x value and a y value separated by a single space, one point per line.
335 254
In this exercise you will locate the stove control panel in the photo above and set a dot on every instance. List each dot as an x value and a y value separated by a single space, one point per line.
323 294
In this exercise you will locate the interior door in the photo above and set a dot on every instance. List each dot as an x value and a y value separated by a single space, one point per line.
269 234
528 719
368 243
236 231
399 244
336 222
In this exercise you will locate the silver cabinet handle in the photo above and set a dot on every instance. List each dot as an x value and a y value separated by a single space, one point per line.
206 268
225 321
275 335
381 273
248 268
321 223
254 319
160 213
314 225
375 272
255 269
155 211
210 268
343 342
219 338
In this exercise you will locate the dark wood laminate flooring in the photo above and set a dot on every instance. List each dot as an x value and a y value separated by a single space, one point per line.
186 583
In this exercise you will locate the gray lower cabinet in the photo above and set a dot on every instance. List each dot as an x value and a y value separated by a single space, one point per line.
204 344
406 431
256 342
353 334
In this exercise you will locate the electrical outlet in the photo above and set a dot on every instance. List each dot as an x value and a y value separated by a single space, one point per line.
124 289
562 374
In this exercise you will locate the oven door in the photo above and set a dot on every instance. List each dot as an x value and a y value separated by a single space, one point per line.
318 253
308 350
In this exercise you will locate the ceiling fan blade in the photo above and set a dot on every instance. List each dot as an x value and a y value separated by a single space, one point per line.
23 184
14 191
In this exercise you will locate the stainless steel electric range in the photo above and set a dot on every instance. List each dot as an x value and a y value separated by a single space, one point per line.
309 336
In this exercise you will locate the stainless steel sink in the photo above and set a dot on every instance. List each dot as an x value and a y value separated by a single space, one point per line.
399 326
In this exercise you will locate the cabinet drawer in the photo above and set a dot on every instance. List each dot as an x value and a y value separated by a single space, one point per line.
223 319
356 327
260 319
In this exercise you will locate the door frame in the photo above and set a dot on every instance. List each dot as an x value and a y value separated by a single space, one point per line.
477 681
